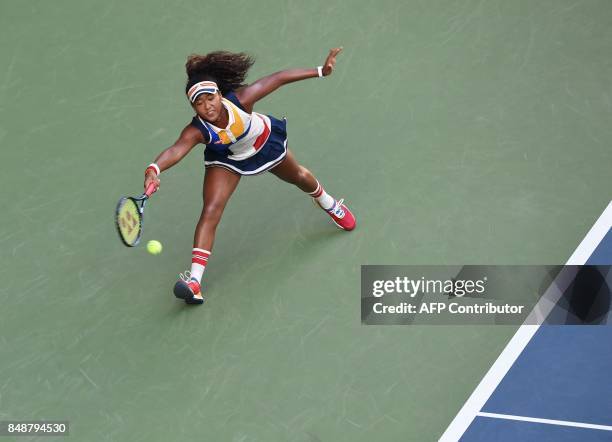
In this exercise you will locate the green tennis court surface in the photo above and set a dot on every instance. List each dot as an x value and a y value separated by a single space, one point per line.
459 132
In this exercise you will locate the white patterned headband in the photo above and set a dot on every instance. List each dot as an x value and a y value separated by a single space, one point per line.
203 87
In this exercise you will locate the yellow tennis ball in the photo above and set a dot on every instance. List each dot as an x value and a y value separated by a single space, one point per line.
154 247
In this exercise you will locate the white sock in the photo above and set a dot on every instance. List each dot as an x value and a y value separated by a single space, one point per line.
199 260
325 200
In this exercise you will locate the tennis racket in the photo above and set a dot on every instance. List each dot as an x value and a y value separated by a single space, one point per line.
128 216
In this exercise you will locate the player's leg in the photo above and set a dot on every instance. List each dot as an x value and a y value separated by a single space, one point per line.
291 171
219 184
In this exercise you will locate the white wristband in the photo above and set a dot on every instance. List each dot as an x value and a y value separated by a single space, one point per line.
154 166
320 70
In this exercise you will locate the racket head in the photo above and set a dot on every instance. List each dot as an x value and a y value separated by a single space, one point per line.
128 219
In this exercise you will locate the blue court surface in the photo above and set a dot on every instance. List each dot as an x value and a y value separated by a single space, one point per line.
551 383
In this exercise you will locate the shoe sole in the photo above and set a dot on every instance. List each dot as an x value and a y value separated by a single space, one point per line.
343 228
182 291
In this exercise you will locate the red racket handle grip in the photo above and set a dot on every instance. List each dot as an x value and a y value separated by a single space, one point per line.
150 190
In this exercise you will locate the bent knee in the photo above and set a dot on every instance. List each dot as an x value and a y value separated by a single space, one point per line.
212 212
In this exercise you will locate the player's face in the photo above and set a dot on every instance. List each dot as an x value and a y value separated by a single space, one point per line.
208 106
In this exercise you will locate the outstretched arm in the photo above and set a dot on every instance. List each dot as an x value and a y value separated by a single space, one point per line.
189 137
251 94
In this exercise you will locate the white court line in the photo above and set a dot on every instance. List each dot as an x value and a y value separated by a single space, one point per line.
546 421
519 341
593 238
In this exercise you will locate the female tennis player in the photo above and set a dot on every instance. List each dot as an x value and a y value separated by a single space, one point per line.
238 142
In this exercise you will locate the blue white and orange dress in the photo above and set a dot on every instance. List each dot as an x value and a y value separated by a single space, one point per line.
250 144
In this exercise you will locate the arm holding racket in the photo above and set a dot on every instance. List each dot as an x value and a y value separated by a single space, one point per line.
129 213
189 137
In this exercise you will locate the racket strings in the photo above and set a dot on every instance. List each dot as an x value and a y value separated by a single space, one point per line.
129 222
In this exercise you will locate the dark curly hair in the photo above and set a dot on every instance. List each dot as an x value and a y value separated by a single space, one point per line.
227 69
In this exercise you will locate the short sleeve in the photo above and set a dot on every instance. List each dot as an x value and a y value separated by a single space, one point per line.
195 122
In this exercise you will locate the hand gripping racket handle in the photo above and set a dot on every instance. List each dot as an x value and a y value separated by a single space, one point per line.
150 190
